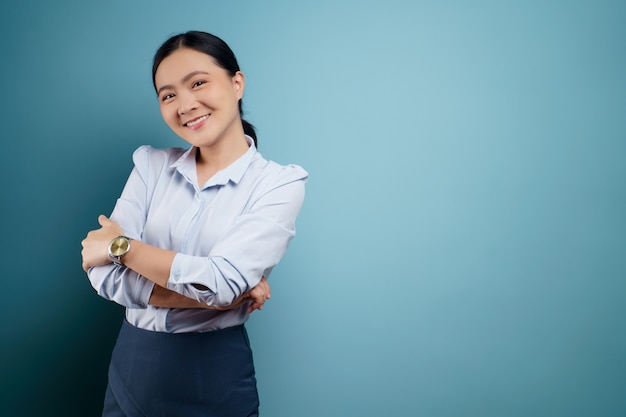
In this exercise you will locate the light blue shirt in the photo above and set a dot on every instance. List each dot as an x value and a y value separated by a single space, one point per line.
227 234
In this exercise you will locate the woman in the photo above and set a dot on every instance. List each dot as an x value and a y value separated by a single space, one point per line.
190 242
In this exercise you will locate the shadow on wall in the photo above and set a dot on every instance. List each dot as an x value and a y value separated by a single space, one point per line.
60 368
56 351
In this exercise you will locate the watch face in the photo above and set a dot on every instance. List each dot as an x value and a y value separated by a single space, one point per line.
119 246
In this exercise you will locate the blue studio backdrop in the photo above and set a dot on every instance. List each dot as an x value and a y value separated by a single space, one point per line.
461 250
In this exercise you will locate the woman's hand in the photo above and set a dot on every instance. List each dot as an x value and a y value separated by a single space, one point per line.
257 296
96 245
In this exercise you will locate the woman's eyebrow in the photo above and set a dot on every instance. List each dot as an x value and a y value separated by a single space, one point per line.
184 80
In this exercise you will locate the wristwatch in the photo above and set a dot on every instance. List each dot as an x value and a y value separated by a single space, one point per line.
118 248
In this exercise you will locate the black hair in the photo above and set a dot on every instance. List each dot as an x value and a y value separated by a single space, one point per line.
207 44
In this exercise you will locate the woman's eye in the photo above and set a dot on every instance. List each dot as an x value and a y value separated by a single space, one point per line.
167 97
198 83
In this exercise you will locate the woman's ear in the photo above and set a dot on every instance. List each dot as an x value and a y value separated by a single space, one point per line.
239 83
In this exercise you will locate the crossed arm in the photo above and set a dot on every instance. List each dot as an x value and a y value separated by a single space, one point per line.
154 264
162 297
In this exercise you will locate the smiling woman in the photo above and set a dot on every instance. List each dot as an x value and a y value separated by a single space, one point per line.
211 47
199 102
190 243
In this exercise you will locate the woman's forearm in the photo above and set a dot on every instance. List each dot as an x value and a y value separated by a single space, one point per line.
149 261
162 297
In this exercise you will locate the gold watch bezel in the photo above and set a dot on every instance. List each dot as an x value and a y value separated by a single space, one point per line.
118 247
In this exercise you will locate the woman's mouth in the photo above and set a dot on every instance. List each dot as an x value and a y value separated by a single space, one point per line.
195 123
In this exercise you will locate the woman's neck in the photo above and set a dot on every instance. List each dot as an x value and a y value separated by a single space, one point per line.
210 160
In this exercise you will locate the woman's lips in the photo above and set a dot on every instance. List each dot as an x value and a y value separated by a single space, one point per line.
197 122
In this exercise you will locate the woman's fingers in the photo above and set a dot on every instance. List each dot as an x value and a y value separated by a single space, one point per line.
259 295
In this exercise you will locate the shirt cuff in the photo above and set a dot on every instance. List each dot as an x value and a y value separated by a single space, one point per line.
145 292
187 270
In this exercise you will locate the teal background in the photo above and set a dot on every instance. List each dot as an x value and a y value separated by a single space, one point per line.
461 251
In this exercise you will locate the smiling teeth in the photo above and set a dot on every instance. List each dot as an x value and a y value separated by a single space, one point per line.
198 120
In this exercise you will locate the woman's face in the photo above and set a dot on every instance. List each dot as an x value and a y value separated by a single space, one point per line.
199 99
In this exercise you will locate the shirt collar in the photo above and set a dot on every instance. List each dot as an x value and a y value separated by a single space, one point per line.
186 165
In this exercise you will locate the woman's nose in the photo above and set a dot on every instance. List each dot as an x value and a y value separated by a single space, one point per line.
186 103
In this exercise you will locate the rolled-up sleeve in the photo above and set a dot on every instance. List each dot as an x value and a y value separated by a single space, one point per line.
248 250
121 285
118 283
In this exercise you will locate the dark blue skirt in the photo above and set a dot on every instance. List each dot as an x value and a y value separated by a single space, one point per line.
181 374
